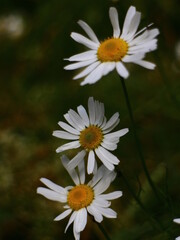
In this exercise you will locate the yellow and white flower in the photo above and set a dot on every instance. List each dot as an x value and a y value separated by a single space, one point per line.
128 46
82 198
91 134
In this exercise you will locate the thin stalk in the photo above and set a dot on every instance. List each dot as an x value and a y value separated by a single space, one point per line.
138 145
103 231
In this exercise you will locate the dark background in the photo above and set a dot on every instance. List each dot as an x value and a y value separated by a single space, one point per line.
36 91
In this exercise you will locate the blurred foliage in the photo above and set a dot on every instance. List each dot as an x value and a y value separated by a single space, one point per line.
36 92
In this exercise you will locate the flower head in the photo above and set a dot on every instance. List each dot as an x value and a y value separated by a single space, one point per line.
82 198
91 134
128 46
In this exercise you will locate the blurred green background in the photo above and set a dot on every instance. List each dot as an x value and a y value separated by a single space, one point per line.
35 93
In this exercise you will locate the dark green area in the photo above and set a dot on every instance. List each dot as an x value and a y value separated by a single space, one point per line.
35 93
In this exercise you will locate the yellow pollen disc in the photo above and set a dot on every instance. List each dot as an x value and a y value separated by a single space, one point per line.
80 196
112 50
91 137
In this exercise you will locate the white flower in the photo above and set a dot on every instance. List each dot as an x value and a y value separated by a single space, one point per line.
82 198
91 133
128 46
177 220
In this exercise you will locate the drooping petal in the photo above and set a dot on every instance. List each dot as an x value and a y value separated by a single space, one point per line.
76 160
85 41
79 64
145 64
53 186
108 156
87 70
89 31
81 169
111 196
63 215
67 146
104 160
122 71
80 220
51 195
93 211
91 161
71 219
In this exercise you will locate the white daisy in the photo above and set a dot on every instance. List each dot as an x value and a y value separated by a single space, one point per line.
128 46
91 134
177 220
82 198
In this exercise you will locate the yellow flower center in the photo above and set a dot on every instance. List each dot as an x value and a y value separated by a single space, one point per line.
112 50
91 137
80 196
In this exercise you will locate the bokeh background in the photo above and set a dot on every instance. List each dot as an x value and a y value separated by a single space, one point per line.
36 91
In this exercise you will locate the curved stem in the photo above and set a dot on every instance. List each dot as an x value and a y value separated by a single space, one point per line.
138 145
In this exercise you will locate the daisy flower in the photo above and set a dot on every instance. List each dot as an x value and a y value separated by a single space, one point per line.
91 133
82 198
128 46
177 220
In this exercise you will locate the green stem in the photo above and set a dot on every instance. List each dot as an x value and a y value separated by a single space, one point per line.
138 145
103 231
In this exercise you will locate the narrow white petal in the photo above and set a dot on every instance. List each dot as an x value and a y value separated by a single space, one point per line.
98 175
87 70
72 172
91 109
104 183
85 41
111 196
108 155
80 220
134 26
113 14
128 19
107 212
178 238
68 128
134 57
63 215
108 67
176 220
51 195
76 119
67 146
122 71
72 121
53 186
91 161
76 160
108 145
79 64
93 211
89 31
111 121
95 75
81 169
65 135
145 64
82 112
71 219
118 134
111 127
88 55
104 160
101 202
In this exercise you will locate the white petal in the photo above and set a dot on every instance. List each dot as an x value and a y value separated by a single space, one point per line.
51 195
85 41
113 14
67 146
128 19
68 128
134 26
111 121
91 109
107 212
101 202
108 156
118 134
95 75
104 160
71 219
145 64
79 64
108 145
111 196
65 161
76 119
88 30
76 160
122 71
81 169
87 70
65 135
134 57
91 161
63 215
80 220
88 55
72 121
176 220
93 211
53 186
98 175
82 112
108 67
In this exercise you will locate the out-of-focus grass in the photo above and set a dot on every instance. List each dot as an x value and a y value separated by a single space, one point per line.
36 92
